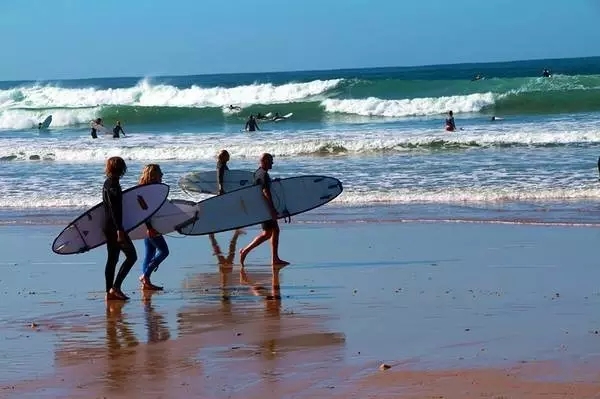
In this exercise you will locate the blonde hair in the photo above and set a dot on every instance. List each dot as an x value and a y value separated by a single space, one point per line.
115 167
151 174
223 156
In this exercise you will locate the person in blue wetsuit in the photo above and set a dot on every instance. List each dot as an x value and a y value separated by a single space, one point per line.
157 249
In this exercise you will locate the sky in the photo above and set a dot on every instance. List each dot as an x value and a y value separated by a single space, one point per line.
69 39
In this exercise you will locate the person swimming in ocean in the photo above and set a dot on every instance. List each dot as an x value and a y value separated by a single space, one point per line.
546 73
450 124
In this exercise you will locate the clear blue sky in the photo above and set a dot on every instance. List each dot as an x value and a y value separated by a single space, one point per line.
42 39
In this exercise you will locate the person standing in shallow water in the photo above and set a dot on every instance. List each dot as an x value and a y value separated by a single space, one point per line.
157 249
117 239
270 227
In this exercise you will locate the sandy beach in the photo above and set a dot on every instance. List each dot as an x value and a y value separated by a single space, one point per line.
458 310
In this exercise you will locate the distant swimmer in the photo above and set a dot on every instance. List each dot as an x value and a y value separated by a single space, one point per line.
276 116
495 118
546 73
251 124
40 126
450 124
477 77
117 130
234 108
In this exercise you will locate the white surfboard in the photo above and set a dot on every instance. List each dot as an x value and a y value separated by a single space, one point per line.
46 122
171 213
206 182
85 232
247 207
284 117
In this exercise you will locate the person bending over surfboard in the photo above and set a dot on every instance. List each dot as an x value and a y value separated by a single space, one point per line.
157 249
117 239
270 227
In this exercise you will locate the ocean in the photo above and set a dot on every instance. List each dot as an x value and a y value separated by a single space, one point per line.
379 130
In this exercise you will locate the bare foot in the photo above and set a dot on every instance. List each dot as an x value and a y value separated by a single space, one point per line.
148 286
116 294
243 256
280 263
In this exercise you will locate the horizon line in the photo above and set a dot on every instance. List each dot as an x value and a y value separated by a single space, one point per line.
143 76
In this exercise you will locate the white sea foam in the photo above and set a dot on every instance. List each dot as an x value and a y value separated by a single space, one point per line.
373 106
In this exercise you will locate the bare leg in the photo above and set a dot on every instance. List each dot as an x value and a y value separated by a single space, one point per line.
262 237
276 261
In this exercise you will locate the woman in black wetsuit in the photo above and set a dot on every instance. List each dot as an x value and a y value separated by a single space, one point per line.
117 239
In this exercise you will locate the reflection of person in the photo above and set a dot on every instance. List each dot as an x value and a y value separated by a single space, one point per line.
117 239
251 124
119 336
258 289
270 227
156 324
157 249
225 263
118 130
450 124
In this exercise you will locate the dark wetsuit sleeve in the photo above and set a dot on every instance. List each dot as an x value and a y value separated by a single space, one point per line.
113 201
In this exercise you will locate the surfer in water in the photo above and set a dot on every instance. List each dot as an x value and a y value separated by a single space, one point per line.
157 249
117 130
546 73
270 227
450 124
117 239
251 124
94 132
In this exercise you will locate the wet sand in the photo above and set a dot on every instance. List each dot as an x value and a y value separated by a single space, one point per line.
457 310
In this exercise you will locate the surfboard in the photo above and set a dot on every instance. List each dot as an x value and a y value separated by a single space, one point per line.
171 213
286 116
247 207
46 122
85 232
206 182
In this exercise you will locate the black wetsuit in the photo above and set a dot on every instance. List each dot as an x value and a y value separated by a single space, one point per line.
94 134
262 179
112 198
251 125
117 131
221 168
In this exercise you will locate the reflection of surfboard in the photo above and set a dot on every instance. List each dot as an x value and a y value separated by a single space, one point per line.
170 214
206 182
86 232
283 117
46 122
100 128
247 206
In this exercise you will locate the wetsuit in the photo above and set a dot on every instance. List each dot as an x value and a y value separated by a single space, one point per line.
251 125
112 197
117 131
262 179
450 125
94 134
221 168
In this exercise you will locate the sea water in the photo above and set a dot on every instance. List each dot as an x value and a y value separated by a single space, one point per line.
380 131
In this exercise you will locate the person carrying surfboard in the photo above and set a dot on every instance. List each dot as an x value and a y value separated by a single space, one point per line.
270 227
157 249
117 239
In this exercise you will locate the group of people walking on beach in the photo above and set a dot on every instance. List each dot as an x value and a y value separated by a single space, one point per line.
157 250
